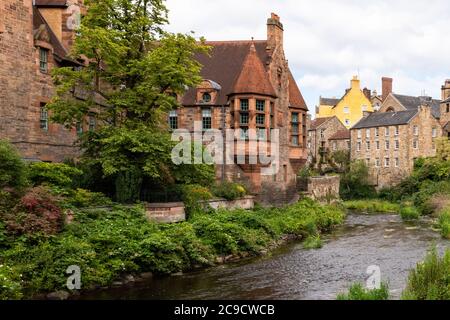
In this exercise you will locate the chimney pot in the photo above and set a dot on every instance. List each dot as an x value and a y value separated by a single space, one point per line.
386 87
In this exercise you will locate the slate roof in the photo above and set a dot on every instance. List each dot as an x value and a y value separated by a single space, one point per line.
51 3
329 101
411 103
341 135
318 122
380 119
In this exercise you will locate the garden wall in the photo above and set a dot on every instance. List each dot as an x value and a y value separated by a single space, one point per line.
323 188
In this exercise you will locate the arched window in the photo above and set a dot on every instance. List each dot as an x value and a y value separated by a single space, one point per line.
206 97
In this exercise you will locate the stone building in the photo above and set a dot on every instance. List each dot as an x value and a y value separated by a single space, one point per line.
445 108
35 37
324 134
248 85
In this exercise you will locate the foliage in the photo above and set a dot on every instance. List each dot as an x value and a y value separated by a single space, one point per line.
229 190
128 185
107 244
409 213
358 292
82 198
12 169
313 242
37 212
194 197
372 206
355 182
341 160
431 278
444 223
57 174
10 283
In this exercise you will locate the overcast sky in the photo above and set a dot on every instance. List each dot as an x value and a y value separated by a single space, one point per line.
328 41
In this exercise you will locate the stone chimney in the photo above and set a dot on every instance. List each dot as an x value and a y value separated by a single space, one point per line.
446 90
386 84
355 83
367 93
274 32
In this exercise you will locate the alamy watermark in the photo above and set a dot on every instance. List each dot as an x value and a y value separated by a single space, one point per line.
74 280
374 280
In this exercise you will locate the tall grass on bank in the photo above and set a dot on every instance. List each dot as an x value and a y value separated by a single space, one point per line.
444 222
109 244
358 292
372 206
431 278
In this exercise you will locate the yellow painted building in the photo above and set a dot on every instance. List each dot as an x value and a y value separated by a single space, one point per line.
350 108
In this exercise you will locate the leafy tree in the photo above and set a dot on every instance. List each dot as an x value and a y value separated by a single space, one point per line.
355 182
12 168
133 72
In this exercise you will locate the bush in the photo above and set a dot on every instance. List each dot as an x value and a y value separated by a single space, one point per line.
372 206
194 197
37 212
313 242
431 278
358 292
409 213
54 174
128 185
444 223
10 283
82 198
229 190
355 182
12 168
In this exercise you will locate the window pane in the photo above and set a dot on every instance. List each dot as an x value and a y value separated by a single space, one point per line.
244 118
260 119
295 117
44 117
295 128
244 104
260 105
295 140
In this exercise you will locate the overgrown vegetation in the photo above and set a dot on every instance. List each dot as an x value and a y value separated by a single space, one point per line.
431 278
358 292
372 206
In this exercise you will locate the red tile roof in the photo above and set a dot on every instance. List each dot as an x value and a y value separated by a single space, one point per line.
253 77
318 122
341 135
295 96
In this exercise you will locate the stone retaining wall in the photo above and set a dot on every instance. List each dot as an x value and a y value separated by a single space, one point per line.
324 188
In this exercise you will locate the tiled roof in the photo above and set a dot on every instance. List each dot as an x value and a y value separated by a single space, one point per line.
295 96
380 119
38 21
51 3
341 135
411 103
329 101
253 77
318 122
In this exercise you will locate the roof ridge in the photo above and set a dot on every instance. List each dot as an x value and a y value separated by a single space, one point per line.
235 41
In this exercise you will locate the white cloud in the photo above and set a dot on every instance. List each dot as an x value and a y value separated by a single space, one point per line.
328 41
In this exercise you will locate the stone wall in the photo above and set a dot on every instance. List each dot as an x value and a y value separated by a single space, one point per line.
324 188
246 203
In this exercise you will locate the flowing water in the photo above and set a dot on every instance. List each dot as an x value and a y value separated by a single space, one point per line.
294 273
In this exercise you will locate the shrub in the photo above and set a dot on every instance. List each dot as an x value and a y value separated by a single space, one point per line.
355 182
85 198
372 206
10 283
194 197
12 169
409 213
431 278
444 223
358 292
313 242
37 212
229 190
55 174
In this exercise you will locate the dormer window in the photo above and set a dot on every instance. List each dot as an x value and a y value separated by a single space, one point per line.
206 97
43 60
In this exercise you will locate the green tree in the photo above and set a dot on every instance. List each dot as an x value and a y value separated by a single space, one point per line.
355 182
12 168
133 72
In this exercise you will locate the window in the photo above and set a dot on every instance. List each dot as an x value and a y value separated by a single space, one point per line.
295 128
260 105
416 130
261 133
397 130
387 145
244 118
367 133
416 144
295 140
244 133
206 119
358 146
368 161
44 117
386 131
173 120
397 144
359 134
377 162
377 143
260 119
322 133
334 145
92 123
43 59
397 162
346 110
79 128
244 105
434 132
377 132
347 122
387 162
206 97
368 145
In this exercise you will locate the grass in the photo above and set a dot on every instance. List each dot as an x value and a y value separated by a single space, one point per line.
109 244
409 213
431 278
444 223
358 292
313 242
372 206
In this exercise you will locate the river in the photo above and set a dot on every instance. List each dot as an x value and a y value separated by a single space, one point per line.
293 273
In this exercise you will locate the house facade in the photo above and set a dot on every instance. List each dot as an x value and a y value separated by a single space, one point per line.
35 37
247 87
350 108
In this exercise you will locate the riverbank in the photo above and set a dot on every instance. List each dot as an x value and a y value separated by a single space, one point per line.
110 245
